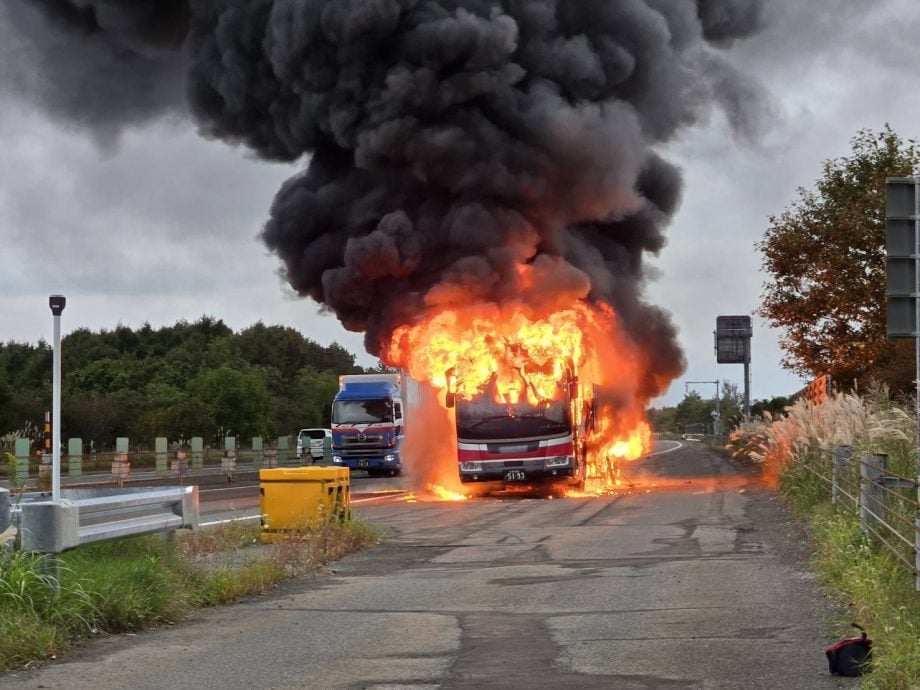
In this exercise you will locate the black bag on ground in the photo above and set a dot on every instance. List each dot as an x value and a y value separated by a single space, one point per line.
851 656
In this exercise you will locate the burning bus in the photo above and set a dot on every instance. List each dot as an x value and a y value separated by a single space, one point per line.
536 399
506 440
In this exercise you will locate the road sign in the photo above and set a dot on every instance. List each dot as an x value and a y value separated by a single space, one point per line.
733 346
902 218
734 326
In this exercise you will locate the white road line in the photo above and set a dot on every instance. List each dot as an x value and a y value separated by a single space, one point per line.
228 488
669 450
228 520
211 523
379 498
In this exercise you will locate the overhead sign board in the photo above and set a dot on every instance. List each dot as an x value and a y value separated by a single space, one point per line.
731 350
737 326
733 339
902 218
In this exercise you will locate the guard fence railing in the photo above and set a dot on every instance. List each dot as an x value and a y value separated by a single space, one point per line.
886 502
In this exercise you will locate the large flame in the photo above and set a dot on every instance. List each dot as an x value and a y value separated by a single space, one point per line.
521 355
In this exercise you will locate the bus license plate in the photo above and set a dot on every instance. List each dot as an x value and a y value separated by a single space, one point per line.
515 475
362 463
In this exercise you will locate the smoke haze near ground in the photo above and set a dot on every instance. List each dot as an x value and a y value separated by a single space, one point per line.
448 142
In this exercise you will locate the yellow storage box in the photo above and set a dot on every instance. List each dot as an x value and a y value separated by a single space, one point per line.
296 498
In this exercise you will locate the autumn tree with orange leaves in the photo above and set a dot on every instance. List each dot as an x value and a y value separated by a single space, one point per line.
825 255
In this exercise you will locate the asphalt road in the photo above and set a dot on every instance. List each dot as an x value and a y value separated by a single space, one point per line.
691 578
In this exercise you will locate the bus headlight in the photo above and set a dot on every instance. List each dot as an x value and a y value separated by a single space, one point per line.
558 461
471 466
389 457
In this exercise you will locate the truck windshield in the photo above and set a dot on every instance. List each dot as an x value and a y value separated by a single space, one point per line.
483 418
362 411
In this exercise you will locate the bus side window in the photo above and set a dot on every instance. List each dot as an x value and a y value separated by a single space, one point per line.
397 411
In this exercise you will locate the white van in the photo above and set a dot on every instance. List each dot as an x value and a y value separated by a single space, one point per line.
310 444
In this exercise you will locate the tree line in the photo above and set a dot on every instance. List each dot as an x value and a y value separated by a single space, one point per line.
179 381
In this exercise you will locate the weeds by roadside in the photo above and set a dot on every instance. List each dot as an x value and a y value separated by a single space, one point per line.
130 584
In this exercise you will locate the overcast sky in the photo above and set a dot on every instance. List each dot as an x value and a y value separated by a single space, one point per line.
164 226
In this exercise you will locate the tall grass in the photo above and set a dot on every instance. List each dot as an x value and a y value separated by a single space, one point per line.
130 584
795 450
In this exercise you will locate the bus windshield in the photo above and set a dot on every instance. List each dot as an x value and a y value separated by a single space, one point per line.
484 418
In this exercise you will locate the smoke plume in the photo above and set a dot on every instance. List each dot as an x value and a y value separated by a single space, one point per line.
449 141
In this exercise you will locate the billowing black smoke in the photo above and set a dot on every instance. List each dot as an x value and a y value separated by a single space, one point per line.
97 64
450 141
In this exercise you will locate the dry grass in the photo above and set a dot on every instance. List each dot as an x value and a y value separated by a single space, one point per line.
868 424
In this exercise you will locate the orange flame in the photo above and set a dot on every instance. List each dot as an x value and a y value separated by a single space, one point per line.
522 355
446 494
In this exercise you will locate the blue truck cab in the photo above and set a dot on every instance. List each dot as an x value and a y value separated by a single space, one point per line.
368 419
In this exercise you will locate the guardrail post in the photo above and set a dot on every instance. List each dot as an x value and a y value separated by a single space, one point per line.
121 465
257 452
161 450
75 457
283 446
871 494
228 462
197 448
21 452
179 462
917 544
45 468
842 456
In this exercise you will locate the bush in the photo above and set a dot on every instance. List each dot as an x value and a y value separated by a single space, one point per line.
130 584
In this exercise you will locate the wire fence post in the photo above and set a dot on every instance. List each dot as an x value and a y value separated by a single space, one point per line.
842 456
917 546
871 493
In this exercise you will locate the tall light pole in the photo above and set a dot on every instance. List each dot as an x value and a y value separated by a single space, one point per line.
57 304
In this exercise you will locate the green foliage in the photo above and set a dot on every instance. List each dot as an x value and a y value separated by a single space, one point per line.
130 584
189 379
34 622
881 593
826 258
773 406
238 400
7 415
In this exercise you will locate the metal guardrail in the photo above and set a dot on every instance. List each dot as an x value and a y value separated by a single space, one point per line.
887 503
85 516
149 464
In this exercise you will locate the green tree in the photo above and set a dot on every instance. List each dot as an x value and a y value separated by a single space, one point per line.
7 416
775 406
238 400
825 256
731 405
663 420
693 410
